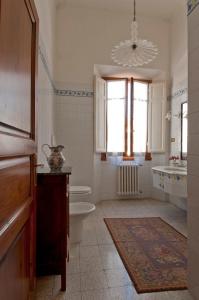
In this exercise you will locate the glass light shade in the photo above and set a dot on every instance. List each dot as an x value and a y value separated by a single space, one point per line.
134 52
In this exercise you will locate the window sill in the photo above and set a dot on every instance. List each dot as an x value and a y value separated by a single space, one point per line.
128 158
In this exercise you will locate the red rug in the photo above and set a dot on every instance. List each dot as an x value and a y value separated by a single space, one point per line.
153 252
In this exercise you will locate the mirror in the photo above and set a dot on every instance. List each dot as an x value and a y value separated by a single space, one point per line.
184 130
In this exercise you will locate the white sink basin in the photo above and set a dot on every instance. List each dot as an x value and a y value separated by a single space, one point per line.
181 169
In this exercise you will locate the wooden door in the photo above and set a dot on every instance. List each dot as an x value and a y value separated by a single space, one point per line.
18 69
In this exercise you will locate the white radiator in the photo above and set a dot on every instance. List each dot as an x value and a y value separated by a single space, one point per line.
128 180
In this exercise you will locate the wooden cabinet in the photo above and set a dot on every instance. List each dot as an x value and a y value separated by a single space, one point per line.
52 225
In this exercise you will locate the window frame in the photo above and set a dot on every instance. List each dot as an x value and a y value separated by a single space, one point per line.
146 153
130 157
126 109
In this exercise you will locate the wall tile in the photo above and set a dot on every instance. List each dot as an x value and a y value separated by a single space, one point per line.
193 153
193 147
193 165
193 264
193 102
193 187
193 82
191 6
194 123
193 37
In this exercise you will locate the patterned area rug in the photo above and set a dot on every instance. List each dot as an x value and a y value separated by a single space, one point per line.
153 252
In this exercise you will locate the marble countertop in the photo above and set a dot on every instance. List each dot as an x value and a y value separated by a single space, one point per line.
46 171
175 170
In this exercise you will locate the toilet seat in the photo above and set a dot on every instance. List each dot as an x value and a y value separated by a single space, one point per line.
81 208
79 190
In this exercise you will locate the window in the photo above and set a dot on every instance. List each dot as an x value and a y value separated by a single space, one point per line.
127 114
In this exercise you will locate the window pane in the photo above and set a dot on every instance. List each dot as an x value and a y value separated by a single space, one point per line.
116 93
129 121
140 116
116 125
116 89
140 90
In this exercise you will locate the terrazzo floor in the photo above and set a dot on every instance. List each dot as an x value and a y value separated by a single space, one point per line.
95 270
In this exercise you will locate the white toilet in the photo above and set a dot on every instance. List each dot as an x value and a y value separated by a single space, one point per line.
80 208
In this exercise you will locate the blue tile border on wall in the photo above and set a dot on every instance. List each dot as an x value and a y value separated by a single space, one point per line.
179 93
72 93
191 5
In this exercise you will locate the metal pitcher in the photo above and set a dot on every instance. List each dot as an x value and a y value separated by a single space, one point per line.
55 159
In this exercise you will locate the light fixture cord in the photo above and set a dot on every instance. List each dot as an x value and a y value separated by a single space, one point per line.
134 19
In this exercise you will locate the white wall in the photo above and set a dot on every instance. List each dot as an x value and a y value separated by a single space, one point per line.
179 73
89 36
179 47
46 11
85 37
74 130
179 82
193 152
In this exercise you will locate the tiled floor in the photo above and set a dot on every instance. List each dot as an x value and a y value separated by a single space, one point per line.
95 271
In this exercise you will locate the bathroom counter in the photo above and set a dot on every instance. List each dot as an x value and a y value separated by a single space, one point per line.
46 171
171 180
172 170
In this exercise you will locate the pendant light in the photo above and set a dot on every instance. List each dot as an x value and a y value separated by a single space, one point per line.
134 52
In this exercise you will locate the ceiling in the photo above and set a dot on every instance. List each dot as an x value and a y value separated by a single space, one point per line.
153 8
